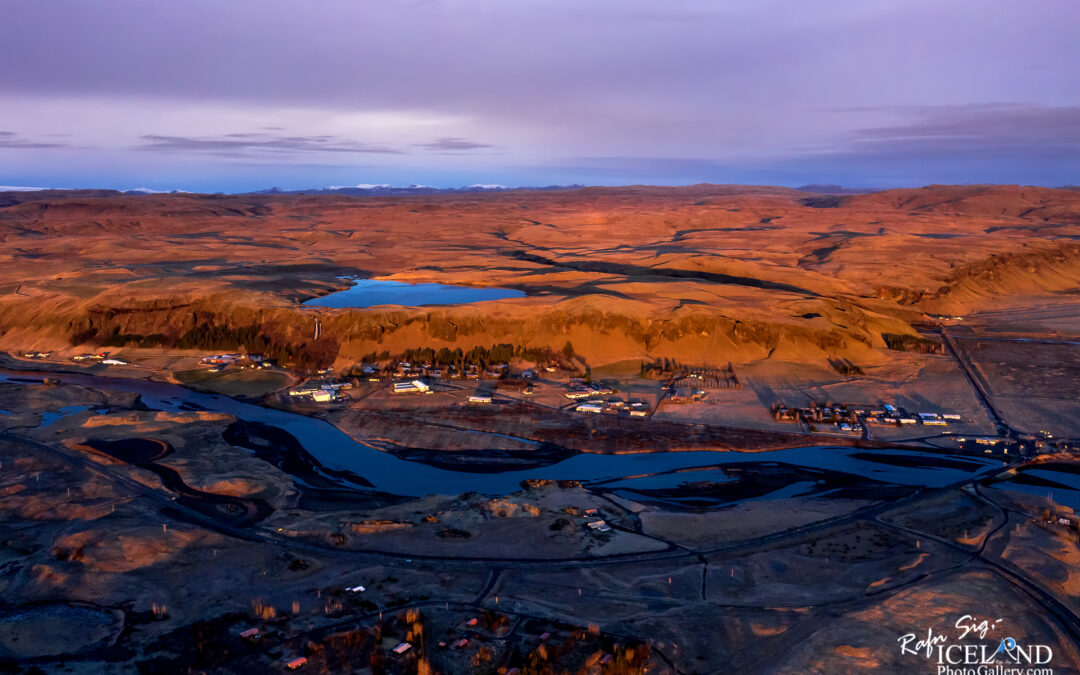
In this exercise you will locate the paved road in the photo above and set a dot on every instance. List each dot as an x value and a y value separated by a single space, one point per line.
977 385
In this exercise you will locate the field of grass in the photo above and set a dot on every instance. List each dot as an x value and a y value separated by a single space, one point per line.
235 382
628 367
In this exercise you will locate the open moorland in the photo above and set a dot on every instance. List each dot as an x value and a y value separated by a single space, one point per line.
704 274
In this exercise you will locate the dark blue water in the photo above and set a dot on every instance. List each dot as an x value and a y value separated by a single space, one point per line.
1064 488
337 450
371 292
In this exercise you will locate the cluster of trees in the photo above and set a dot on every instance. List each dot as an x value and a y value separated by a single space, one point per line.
479 356
581 652
252 338
845 367
662 367
905 342
214 336
209 336
118 339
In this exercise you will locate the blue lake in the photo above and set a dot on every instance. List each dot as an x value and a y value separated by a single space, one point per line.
371 292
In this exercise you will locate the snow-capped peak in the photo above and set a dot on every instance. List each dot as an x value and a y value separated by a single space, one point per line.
361 186
21 188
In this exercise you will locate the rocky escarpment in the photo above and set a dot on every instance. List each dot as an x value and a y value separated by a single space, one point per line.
600 334
1049 269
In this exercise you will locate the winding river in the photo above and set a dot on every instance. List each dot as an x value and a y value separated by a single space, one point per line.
338 452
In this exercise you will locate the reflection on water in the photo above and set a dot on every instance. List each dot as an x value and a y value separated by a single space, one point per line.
1063 478
371 292
1059 486
337 451
671 479
48 418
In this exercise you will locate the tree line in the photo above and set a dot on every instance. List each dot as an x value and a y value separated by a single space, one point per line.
206 336
904 342
479 356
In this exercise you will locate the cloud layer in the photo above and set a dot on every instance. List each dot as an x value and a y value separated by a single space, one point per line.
250 144
534 91
10 139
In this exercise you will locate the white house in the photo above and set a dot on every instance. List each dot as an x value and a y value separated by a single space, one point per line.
421 387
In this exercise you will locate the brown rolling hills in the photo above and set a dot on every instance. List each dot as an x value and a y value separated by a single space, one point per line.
705 274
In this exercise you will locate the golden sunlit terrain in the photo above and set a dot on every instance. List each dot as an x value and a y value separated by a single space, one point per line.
719 429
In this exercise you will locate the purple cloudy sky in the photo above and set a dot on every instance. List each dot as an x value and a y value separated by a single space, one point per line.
245 94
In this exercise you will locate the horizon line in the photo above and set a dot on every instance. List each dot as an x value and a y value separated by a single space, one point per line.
824 188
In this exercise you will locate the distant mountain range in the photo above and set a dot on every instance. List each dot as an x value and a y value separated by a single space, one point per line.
835 189
372 190
384 189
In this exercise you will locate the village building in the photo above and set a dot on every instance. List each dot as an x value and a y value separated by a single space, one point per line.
411 387
579 391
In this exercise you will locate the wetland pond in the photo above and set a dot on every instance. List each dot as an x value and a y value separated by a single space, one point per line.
371 292
335 456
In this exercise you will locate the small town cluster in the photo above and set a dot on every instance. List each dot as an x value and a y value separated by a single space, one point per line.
547 380
853 418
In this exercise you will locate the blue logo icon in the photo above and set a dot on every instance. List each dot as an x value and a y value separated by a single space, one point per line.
1006 647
